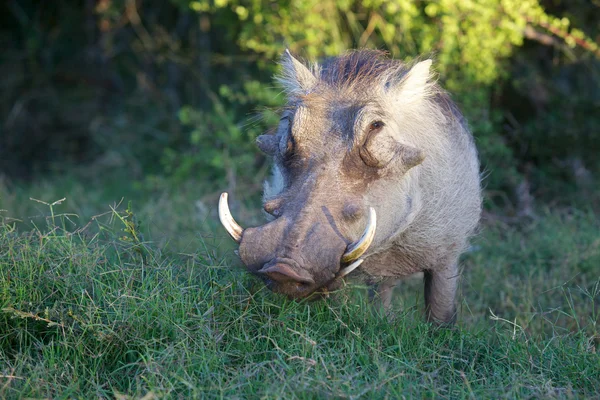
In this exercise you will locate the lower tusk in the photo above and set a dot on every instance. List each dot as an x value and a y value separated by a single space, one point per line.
358 248
350 268
232 227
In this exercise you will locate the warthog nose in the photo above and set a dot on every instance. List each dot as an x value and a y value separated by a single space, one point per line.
286 272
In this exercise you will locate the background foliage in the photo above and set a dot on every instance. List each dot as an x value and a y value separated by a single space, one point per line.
180 89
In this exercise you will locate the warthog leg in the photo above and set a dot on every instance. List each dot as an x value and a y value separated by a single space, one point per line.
385 291
380 294
440 292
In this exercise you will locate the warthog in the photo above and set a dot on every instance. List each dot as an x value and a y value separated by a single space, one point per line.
375 169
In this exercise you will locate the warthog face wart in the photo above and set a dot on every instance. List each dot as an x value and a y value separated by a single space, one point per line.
352 176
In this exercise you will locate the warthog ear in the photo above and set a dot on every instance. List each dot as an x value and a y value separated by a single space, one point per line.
268 144
415 84
295 77
382 149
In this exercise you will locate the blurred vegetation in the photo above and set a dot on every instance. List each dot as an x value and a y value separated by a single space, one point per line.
178 90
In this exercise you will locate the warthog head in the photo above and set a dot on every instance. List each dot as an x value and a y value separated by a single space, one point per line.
340 133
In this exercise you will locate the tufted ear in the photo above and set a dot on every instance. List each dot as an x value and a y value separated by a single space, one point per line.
295 77
268 144
415 85
381 150
286 273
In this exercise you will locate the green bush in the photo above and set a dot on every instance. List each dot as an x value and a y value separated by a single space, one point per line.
220 145
180 88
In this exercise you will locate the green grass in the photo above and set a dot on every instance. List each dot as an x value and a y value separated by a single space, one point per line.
109 309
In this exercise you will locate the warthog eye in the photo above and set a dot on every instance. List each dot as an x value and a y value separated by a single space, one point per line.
289 146
273 207
376 125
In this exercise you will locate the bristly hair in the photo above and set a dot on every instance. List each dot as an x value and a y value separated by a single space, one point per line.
361 68
410 87
356 69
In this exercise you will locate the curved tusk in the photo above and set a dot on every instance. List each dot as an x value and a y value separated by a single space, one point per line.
358 248
232 227
350 268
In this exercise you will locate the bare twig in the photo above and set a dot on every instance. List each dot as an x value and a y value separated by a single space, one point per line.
591 47
540 37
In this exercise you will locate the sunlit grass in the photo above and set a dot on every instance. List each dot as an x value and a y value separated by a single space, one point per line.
162 309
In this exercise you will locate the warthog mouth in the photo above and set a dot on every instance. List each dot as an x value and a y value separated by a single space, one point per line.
289 270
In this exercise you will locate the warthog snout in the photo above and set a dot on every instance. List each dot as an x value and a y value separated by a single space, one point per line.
297 257
286 276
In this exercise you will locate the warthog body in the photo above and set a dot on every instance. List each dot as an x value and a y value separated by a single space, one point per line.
364 132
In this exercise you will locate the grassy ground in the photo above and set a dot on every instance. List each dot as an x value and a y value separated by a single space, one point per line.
97 305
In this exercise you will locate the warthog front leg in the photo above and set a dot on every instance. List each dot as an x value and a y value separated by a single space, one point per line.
380 295
385 289
440 293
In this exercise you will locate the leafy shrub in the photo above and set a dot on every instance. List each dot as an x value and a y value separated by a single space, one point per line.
180 88
219 145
